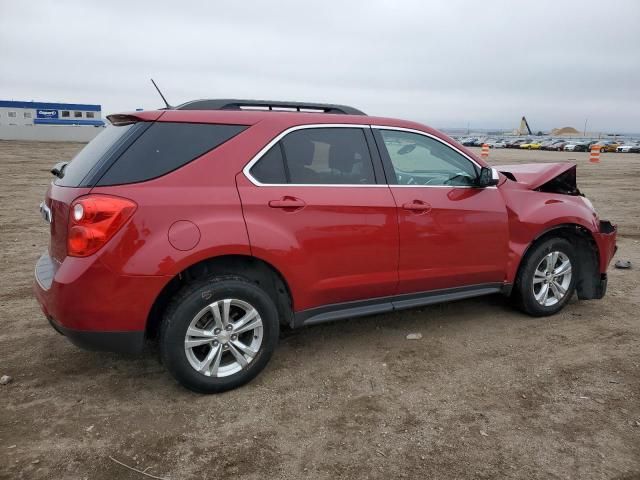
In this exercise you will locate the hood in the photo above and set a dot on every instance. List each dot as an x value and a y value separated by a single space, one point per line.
535 175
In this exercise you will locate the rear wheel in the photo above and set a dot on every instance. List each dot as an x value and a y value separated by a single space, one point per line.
218 334
547 279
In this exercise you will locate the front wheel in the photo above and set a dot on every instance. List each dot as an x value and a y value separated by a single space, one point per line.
218 334
547 279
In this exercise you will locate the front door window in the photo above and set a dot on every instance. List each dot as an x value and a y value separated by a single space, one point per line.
421 160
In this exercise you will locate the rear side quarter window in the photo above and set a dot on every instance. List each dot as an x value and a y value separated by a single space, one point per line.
97 152
164 147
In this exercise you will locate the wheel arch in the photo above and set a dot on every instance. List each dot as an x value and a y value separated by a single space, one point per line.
587 253
253 268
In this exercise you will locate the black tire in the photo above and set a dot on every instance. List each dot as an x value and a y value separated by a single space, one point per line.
524 288
183 309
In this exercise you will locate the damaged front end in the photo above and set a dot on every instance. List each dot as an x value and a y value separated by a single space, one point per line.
572 218
565 183
544 177
605 239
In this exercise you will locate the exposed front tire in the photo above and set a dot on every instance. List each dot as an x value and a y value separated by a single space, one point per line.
219 333
546 282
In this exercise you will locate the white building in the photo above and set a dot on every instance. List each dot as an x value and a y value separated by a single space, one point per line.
49 121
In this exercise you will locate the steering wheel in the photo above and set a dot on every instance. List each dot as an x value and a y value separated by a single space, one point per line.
430 181
457 175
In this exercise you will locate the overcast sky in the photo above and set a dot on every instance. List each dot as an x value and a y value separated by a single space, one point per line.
442 63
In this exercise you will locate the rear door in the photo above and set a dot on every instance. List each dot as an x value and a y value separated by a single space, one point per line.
452 234
317 207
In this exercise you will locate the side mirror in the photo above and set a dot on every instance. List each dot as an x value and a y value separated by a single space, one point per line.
488 177
407 149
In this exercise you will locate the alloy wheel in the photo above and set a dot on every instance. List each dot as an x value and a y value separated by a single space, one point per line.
223 338
551 278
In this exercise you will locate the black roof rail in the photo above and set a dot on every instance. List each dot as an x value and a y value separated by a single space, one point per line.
234 104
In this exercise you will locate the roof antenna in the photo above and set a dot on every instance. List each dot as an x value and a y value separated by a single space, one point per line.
169 107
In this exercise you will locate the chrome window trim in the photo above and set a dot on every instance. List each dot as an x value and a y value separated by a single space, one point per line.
425 134
429 135
283 134
439 186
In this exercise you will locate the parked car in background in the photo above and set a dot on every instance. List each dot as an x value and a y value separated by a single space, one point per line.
572 145
607 146
581 146
545 144
627 147
515 143
146 244
469 141
555 145
532 145
496 143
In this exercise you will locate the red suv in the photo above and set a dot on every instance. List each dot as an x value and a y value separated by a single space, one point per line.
207 226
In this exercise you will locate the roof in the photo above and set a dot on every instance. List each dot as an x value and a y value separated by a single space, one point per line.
252 117
50 106
278 121
268 105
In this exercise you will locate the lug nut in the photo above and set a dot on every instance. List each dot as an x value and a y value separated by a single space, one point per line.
233 337
217 331
229 327
216 343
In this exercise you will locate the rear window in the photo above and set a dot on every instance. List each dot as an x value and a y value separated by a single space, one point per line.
164 147
94 153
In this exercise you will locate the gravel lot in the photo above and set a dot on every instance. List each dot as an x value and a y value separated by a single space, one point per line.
486 393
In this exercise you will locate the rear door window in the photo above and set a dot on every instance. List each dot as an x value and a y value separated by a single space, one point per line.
329 156
318 156
270 169
164 147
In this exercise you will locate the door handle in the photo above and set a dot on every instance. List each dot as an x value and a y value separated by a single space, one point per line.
417 206
290 203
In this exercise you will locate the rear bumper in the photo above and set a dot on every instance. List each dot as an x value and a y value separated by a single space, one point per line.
94 307
120 342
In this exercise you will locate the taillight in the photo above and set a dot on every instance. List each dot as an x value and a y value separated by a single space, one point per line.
93 220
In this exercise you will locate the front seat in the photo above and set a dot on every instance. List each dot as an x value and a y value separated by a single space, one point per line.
347 165
300 151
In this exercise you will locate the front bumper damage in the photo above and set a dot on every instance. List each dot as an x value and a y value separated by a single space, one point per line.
594 283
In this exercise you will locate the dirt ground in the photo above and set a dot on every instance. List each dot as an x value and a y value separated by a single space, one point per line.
486 393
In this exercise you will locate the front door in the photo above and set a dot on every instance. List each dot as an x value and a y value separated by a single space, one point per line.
316 210
452 234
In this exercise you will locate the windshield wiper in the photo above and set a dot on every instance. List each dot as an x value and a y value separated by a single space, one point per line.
58 169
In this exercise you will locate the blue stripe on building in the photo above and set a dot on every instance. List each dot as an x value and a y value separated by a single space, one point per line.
50 106
56 121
